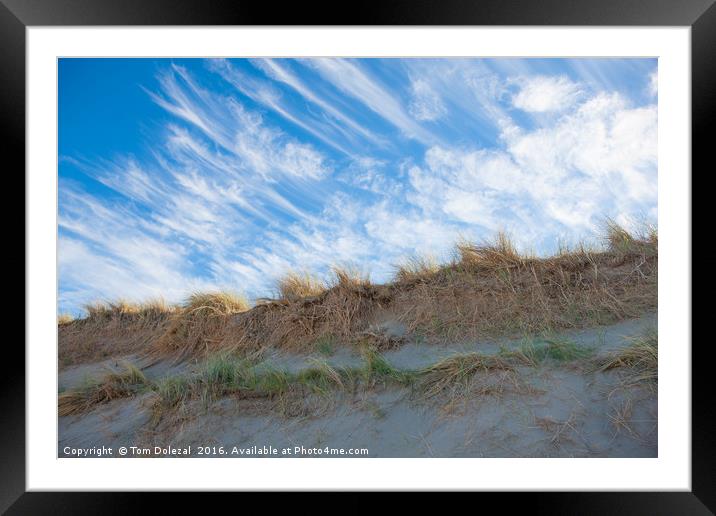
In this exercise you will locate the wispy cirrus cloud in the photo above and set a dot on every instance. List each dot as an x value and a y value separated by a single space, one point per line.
348 76
262 166
274 69
264 93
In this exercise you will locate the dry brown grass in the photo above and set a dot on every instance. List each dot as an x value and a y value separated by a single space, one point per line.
199 326
620 417
113 386
643 241
491 290
640 360
559 431
488 290
294 286
119 309
340 312
416 268
111 329
64 319
489 255
349 277
454 375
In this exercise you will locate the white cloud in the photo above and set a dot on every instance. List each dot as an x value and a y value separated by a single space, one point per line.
598 160
373 175
351 79
468 187
603 139
242 132
213 184
406 232
230 201
425 104
264 93
110 258
273 69
541 94
472 90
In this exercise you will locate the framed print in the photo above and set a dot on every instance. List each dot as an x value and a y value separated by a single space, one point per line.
415 249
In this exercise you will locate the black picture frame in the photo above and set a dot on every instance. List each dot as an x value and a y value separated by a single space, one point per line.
17 15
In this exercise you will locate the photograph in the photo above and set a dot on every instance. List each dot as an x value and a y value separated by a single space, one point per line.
433 245
357 257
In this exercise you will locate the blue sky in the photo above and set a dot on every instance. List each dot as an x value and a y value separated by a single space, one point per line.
177 175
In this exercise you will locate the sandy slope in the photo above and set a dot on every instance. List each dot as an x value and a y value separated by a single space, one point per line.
555 410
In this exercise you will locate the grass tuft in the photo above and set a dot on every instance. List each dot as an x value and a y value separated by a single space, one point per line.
454 374
499 253
557 350
322 377
349 277
271 381
325 345
64 319
220 370
113 386
215 303
294 286
416 269
641 358
378 369
200 324
173 390
643 241
121 308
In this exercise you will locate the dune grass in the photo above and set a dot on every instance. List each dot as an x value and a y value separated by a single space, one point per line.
224 375
173 390
325 345
644 241
640 359
458 377
416 268
113 386
215 303
488 290
378 369
454 375
63 319
494 254
534 352
294 286
146 310
491 290
349 276
321 377
199 326
111 329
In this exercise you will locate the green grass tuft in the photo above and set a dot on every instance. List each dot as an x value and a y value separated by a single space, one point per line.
558 350
378 369
325 345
